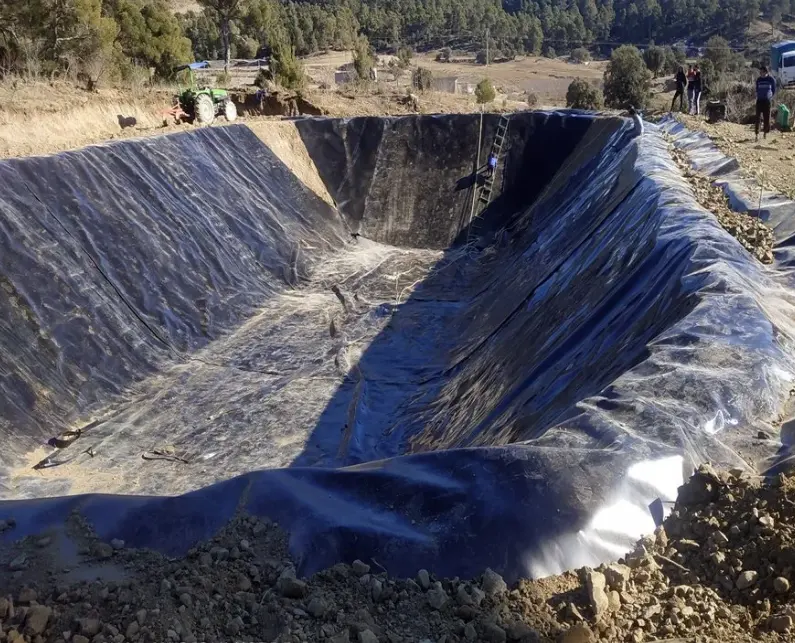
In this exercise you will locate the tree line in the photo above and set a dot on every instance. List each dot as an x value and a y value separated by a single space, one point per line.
93 38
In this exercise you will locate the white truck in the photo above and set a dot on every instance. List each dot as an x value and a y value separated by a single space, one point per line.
782 62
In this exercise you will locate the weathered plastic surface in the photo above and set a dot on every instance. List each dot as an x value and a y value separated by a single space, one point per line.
520 408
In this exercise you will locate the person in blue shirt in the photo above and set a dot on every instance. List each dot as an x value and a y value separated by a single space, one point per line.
765 90
492 164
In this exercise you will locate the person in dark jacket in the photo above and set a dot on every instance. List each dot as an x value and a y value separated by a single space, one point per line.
691 77
681 82
765 90
697 87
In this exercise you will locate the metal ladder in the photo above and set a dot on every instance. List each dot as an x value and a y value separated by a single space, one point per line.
496 148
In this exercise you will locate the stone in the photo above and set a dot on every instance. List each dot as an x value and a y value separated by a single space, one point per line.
521 631
117 543
493 584
424 578
595 583
493 633
781 585
462 596
376 588
89 626
781 623
747 579
243 583
79 638
132 629
245 545
6 608
43 542
37 618
367 636
27 595
579 633
437 598
317 607
19 563
140 616
613 601
289 586
103 551
360 568
470 633
719 538
767 521
342 637
477 595
617 576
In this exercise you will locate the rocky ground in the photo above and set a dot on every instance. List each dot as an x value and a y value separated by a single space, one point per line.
720 569
770 161
754 235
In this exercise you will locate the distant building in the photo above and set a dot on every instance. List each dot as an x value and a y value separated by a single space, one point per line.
347 74
452 85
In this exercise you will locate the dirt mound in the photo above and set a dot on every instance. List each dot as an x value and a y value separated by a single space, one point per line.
720 568
754 235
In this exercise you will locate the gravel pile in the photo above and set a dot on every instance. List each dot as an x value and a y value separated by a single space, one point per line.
719 570
754 235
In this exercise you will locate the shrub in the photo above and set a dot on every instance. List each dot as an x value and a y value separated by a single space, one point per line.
532 100
404 55
580 55
654 57
363 59
549 52
444 55
626 79
484 92
582 95
422 79
223 79
285 69
480 57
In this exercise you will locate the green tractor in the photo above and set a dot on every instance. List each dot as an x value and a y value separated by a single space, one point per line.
203 105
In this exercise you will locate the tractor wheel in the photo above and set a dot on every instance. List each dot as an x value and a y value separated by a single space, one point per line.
230 111
204 109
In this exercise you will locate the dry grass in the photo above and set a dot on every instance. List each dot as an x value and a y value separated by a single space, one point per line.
42 118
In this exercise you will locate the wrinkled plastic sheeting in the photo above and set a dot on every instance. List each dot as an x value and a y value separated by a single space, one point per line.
612 339
117 260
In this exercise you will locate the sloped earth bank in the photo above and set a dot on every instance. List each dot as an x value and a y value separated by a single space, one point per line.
719 569
184 321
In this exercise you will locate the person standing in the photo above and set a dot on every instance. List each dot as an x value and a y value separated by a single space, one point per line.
691 77
681 82
697 87
765 90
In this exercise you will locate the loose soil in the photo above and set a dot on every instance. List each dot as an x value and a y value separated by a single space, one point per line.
719 569
754 235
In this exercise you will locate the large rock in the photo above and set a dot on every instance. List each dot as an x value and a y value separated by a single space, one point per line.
595 583
617 576
747 579
579 633
36 619
493 583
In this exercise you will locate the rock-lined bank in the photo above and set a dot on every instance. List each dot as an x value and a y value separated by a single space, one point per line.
720 569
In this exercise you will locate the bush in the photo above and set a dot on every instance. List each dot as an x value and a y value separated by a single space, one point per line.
580 55
484 92
363 59
532 100
549 52
422 79
508 52
285 69
654 57
404 56
223 79
582 95
444 55
674 58
719 54
627 79
480 57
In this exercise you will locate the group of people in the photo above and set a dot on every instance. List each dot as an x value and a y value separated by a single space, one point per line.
690 81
